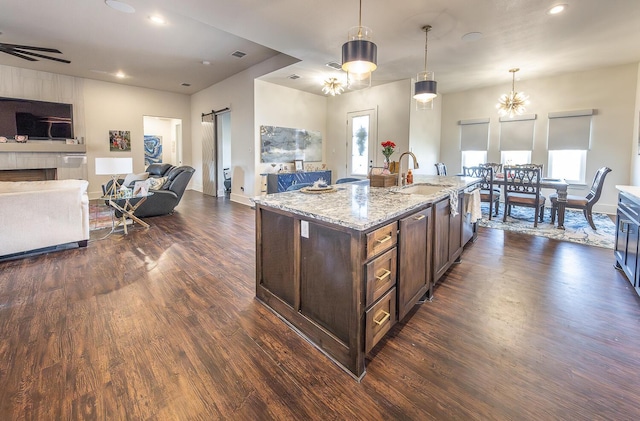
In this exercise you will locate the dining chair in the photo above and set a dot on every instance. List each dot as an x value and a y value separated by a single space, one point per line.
496 166
540 166
522 188
488 191
441 169
579 202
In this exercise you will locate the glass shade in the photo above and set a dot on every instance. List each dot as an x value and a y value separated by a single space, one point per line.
425 90
359 57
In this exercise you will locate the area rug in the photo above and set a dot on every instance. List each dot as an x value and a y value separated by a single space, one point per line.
100 215
577 228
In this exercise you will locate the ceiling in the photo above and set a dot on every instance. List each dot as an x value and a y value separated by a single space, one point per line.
100 41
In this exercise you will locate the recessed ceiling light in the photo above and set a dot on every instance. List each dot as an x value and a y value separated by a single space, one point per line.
558 8
120 75
472 36
205 62
120 6
157 19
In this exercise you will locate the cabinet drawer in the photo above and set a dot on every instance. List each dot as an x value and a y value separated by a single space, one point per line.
379 319
381 239
381 275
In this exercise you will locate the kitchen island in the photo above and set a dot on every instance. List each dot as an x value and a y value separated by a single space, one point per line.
343 266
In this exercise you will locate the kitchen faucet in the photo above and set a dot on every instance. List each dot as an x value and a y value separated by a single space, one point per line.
415 166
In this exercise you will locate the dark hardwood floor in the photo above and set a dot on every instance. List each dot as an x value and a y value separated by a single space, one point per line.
162 324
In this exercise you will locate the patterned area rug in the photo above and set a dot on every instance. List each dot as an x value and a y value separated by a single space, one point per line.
99 215
577 228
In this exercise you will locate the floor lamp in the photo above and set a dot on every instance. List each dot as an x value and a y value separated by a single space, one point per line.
113 167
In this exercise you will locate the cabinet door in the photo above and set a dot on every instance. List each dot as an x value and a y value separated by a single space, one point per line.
414 250
441 216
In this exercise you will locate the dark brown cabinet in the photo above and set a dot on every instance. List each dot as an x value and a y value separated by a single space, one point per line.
414 251
627 247
448 240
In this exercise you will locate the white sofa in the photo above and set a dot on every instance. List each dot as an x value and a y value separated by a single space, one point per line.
39 214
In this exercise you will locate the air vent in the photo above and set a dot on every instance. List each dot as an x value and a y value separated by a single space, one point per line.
294 76
334 65
185 84
238 54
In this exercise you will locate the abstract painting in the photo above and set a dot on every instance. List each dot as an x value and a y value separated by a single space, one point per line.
282 144
119 140
152 149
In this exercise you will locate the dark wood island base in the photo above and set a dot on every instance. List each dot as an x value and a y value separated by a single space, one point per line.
343 289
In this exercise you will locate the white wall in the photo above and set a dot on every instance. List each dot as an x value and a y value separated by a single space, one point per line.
97 108
110 106
285 107
610 91
237 93
166 129
392 102
635 142
424 136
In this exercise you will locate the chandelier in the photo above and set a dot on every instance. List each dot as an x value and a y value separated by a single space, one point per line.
512 104
332 86
425 88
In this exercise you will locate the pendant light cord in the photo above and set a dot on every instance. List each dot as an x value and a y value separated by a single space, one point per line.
426 42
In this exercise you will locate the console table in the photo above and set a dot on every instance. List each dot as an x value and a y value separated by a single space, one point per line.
279 182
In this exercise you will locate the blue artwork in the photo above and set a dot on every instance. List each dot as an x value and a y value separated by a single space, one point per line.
281 144
152 149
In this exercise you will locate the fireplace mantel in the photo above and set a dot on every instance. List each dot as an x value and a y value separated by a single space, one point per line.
42 147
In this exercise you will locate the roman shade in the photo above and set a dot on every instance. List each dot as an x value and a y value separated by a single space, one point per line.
474 134
516 134
570 130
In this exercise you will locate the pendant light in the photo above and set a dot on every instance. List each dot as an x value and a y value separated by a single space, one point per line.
513 103
359 56
425 88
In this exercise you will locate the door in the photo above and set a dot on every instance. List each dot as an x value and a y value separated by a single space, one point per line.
361 142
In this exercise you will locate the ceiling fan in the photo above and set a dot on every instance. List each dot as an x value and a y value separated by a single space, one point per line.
22 52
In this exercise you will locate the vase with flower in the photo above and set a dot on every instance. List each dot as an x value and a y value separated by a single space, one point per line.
388 148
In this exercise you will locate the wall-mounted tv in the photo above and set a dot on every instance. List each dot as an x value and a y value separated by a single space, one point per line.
39 120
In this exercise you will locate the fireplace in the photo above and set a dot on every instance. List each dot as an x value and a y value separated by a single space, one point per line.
37 174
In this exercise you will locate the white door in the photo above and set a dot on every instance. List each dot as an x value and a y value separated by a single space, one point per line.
361 142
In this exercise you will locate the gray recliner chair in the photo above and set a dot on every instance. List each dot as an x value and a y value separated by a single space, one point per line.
164 200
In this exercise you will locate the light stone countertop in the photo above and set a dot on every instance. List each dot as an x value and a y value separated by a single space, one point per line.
632 190
359 206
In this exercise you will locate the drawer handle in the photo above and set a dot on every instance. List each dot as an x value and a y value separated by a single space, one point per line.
384 318
419 218
384 239
384 275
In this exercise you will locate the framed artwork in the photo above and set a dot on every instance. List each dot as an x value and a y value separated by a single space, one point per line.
119 140
299 165
283 144
152 149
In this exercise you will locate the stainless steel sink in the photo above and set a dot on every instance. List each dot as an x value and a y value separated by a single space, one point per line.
422 189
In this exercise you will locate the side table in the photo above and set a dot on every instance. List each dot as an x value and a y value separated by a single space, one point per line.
127 209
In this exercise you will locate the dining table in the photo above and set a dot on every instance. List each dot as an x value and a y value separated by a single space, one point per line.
560 185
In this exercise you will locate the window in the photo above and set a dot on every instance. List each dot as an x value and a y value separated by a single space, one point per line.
569 139
568 164
473 158
515 157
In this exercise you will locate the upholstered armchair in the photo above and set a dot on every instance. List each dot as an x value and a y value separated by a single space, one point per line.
171 181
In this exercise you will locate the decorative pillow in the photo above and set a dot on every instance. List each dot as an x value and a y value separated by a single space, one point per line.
156 183
130 178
